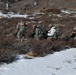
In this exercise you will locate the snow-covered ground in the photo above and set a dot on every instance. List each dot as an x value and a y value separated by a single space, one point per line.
59 63
68 11
12 14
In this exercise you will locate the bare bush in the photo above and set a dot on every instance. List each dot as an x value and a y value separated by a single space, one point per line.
10 46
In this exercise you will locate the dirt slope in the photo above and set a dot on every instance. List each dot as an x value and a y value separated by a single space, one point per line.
30 6
43 4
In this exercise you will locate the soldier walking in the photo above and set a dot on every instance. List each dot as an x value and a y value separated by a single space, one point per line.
21 30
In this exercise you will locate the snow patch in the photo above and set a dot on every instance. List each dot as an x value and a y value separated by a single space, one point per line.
59 63
68 11
12 14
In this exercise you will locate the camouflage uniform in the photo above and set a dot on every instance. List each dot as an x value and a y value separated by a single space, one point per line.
73 35
21 30
38 32
58 32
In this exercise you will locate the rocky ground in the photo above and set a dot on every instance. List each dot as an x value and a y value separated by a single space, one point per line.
30 6
10 46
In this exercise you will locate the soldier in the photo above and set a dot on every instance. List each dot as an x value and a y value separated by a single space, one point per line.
73 35
21 30
39 32
58 32
44 31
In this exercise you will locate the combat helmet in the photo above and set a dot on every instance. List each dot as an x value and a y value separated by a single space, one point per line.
22 23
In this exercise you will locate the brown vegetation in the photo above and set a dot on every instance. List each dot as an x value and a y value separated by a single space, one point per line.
10 46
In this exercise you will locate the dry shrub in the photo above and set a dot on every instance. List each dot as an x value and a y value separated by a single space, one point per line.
44 47
10 46
56 11
7 56
72 43
40 47
58 45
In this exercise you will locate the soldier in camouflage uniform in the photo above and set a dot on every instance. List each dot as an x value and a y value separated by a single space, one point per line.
21 30
58 32
73 35
38 32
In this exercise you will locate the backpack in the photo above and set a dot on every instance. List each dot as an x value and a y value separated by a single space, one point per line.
42 30
58 31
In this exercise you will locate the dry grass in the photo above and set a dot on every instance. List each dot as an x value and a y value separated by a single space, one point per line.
10 46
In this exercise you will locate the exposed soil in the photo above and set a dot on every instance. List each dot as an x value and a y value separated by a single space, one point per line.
28 6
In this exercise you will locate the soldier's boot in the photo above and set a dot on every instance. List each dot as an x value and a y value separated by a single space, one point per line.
21 40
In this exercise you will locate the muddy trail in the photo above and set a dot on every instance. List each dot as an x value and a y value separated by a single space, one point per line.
10 46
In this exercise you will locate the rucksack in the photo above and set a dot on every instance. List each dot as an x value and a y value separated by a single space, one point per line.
58 32
43 30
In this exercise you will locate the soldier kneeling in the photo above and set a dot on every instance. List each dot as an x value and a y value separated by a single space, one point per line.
39 32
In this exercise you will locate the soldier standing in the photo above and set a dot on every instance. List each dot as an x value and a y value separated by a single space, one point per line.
21 30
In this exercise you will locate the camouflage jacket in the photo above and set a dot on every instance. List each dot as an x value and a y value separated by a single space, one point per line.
38 32
21 28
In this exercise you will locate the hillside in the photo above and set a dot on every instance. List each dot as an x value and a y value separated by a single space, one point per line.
29 6
26 5
10 46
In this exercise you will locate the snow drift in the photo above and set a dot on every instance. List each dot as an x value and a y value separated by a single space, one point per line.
59 63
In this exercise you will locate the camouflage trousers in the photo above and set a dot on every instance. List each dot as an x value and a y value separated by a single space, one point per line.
20 34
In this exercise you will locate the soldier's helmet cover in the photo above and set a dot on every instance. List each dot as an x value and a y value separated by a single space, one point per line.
22 23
